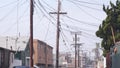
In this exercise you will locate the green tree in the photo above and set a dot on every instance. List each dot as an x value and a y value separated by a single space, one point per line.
112 21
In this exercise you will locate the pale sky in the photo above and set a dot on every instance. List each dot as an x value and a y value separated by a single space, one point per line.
14 19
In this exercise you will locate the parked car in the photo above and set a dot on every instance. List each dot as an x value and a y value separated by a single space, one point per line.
21 67
35 66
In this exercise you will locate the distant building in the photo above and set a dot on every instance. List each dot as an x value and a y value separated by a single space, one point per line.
9 47
64 59
67 60
42 57
100 63
14 42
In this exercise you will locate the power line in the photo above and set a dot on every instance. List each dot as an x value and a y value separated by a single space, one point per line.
82 32
44 13
40 18
11 3
7 14
48 25
48 5
66 26
88 38
85 11
64 37
17 17
75 27
90 15
65 42
88 2
84 5
47 31
16 21
80 21
45 10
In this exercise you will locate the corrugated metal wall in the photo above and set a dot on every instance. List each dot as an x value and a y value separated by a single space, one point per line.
4 58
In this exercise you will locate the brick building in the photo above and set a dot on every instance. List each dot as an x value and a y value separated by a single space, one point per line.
42 54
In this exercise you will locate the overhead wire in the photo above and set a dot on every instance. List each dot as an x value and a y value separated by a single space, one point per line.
85 2
11 3
76 3
47 31
63 37
79 21
74 30
90 15
44 9
40 17
17 18
48 5
74 19
68 49
83 22
75 27
89 37
41 20
7 14
85 30
85 11
9 28
44 13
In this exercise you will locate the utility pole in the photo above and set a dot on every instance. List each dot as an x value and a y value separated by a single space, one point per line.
79 53
46 57
7 42
76 44
81 60
75 50
31 33
58 32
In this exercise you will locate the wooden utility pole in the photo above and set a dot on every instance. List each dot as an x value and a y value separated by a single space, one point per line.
31 33
75 50
46 57
76 44
7 42
58 32
58 35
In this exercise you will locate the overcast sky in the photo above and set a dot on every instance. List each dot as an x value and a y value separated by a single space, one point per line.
83 16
